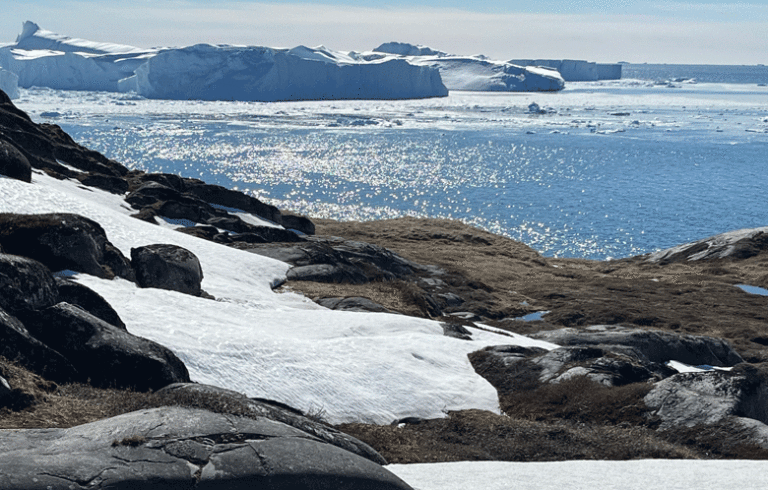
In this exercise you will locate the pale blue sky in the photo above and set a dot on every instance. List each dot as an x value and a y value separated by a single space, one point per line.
598 30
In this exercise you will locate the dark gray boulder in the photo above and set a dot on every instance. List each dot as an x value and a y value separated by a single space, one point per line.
25 285
512 368
330 273
298 223
656 345
13 163
738 244
63 241
352 303
173 448
170 202
168 267
216 194
255 407
18 345
89 300
706 398
106 355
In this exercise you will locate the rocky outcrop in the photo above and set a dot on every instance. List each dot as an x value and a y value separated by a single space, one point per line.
25 285
352 304
18 345
103 354
690 399
168 267
656 346
63 241
739 244
279 412
89 300
13 163
175 447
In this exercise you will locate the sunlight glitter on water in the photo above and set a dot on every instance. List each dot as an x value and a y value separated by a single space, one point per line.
584 180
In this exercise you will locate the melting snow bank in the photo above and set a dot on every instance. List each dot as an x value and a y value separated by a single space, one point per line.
368 367
250 73
655 474
477 73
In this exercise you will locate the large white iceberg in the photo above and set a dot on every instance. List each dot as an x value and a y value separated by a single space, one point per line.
266 74
9 83
577 70
43 58
478 73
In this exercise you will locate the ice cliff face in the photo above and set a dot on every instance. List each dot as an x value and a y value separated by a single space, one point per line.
477 73
9 83
252 73
258 73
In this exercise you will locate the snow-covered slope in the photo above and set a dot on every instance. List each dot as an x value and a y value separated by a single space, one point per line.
477 73
369 367
252 73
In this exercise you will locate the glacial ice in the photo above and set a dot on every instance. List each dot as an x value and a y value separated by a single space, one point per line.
9 83
477 73
224 72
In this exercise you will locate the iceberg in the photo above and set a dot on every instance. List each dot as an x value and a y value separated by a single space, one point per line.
256 73
207 72
577 70
478 73
9 83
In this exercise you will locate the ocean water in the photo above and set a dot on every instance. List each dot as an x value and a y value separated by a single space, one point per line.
600 170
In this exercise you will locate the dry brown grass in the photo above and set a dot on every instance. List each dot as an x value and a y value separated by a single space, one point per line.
473 435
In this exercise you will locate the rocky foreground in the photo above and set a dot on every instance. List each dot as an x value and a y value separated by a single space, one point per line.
120 410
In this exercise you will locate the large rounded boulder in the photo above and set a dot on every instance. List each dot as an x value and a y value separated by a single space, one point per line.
13 163
168 267
63 241
104 354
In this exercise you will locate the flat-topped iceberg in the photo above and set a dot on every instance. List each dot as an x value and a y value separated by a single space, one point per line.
477 73
258 73
224 72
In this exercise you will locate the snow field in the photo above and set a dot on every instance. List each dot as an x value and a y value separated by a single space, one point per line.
369 367
655 474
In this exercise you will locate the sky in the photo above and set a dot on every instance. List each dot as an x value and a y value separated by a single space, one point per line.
692 31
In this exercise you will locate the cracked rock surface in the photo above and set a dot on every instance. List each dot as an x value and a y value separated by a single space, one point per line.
173 447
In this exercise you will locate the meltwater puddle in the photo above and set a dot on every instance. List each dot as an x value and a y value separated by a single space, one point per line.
753 289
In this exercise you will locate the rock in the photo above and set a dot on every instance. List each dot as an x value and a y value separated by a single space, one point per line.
298 223
338 274
656 345
329 259
173 447
18 345
511 369
456 330
706 398
278 412
216 194
109 183
106 355
170 203
738 244
89 300
13 163
167 267
25 285
63 241
353 303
